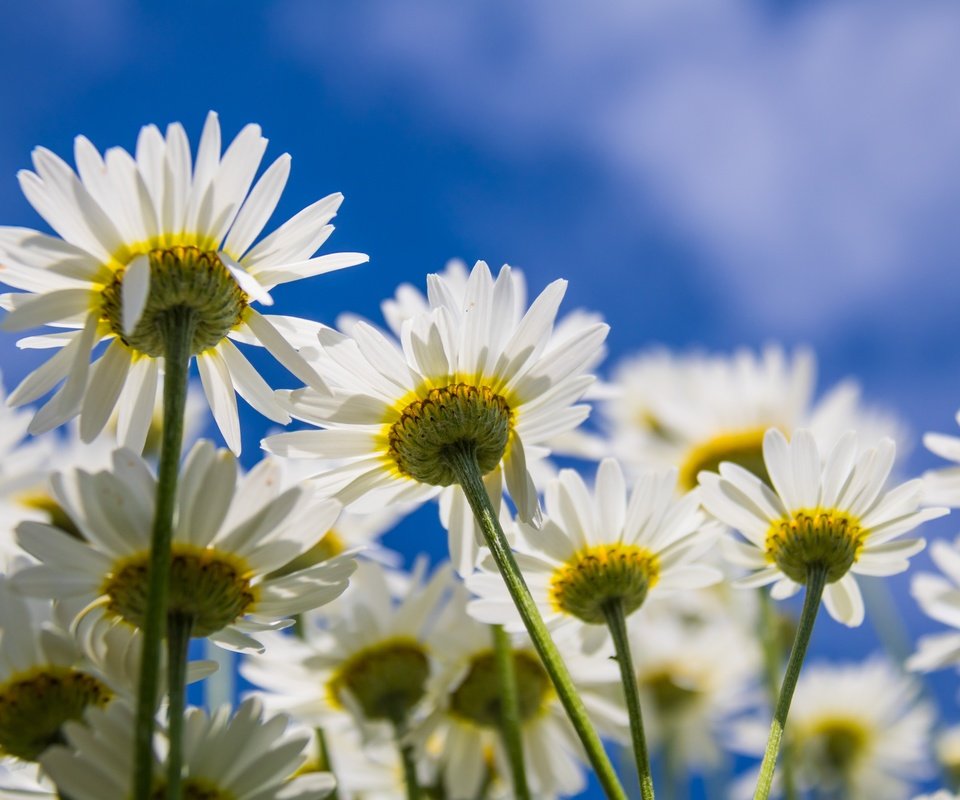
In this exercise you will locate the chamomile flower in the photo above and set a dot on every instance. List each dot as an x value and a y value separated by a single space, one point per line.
857 730
465 694
244 757
600 547
229 534
468 379
696 411
939 597
368 658
142 239
834 516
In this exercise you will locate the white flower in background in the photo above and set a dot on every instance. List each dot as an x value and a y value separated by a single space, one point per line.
835 515
696 411
603 546
229 534
463 732
146 236
943 485
468 374
244 757
364 770
946 745
939 597
368 657
859 731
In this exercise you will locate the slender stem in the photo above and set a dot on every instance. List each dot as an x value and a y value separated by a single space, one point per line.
484 789
773 655
409 760
179 324
816 581
325 764
617 623
463 462
179 630
510 711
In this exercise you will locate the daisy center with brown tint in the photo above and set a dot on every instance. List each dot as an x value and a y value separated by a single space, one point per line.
478 698
444 420
210 587
180 278
386 680
668 696
35 705
826 539
836 745
593 577
744 448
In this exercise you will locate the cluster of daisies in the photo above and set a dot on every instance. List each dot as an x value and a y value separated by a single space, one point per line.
628 602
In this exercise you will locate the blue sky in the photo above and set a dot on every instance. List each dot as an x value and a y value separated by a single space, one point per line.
704 174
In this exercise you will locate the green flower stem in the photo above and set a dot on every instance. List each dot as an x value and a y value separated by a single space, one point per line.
325 764
409 759
179 324
510 711
462 461
617 623
772 641
816 581
179 630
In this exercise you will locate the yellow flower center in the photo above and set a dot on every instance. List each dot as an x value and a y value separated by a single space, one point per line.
669 697
35 704
210 587
180 278
596 575
834 745
827 539
744 448
478 697
454 416
387 680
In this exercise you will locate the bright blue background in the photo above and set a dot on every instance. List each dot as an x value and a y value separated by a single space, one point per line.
703 176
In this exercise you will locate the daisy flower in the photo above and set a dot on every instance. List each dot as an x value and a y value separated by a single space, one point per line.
146 238
465 693
468 379
834 516
244 757
601 547
939 597
859 731
943 485
229 534
696 411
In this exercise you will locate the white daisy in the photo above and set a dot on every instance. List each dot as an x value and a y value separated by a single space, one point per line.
229 534
142 237
695 411
943 485
243 757
467 376
599 547
939 597
859 731
834 516
464 730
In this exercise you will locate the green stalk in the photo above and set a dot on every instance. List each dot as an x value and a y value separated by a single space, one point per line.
617 623
510 711
179 630
409 760
463 463
772 641
179 324
816 581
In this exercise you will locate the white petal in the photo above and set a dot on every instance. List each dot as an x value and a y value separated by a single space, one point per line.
218 388
134 292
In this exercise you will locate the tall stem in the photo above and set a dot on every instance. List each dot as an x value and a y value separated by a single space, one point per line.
773 654
463 462
510 711
179 630
617 623
816 581
409 760
179 324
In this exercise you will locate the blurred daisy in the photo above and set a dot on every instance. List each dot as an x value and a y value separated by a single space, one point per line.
835 516
857 730
939 597
244 757
229 534
600 547
465 693
946 746
363 770
697 411
469 375
943 485
146 236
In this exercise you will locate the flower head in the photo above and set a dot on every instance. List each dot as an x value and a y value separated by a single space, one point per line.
146 242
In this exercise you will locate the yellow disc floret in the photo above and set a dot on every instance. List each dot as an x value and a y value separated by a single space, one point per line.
744 448
819 538
834 745
478 698
594 576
